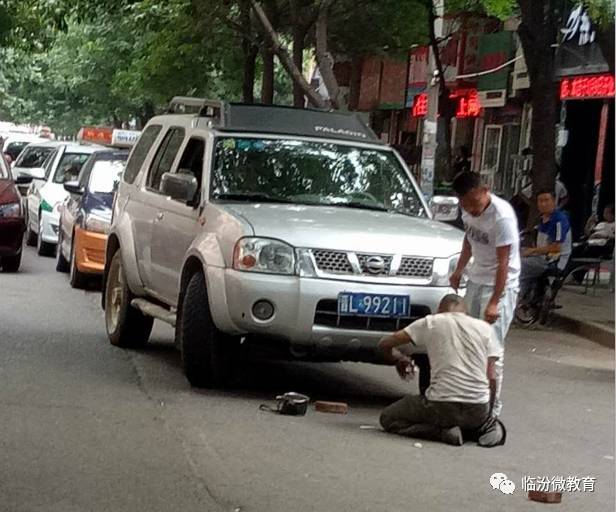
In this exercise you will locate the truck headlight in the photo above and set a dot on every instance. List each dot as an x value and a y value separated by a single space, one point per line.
265 255
96 223
10 210
443 268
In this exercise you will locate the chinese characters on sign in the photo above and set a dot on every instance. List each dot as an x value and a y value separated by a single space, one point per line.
467 104
559 483
420 106
579 24
596 86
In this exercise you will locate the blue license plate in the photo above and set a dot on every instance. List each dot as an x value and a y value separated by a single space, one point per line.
371 304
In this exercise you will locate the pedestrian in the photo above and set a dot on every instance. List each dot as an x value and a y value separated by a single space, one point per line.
462 352
553 243
492 241
599 241
462 161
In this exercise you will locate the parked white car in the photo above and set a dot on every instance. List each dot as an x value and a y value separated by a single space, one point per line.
45 196
31 162
14 143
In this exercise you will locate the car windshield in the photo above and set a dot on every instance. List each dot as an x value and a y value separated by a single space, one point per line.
69 167
104 176
33 156
315 173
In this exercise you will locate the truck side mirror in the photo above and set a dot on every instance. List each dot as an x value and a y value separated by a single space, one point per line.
179 186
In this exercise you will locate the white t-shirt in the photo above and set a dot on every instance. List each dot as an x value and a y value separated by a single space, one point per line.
496 227
458 346
603 230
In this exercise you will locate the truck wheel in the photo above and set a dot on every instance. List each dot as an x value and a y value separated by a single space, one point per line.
207 353
61 262
126 326
76 279
11 263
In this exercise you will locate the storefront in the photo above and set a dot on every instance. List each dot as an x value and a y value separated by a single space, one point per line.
587 166
586 121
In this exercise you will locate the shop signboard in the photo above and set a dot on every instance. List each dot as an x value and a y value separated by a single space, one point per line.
494 51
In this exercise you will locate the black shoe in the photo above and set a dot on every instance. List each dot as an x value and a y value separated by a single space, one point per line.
452 436
493 433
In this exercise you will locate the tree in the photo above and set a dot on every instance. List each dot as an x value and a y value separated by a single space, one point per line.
538 33
602 13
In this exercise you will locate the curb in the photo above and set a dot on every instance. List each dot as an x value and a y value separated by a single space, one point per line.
590 330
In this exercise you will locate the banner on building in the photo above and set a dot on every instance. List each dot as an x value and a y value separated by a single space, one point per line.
494 51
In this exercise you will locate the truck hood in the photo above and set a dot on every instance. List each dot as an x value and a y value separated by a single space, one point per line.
350 229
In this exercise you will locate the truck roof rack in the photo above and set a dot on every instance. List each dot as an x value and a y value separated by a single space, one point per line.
191 105
228 116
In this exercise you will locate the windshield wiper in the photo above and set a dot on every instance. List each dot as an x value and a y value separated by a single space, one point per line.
358 205
253 197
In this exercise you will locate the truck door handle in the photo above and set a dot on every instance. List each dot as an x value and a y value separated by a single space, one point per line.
160 215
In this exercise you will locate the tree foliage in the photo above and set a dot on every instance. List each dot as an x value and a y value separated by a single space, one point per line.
70 62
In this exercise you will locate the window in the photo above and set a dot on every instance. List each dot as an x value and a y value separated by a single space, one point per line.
491 153
69 166
48 164
192 159
104 176
33 156
314 173
140 151
165 156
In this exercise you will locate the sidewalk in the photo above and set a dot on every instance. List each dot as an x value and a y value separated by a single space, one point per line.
590 314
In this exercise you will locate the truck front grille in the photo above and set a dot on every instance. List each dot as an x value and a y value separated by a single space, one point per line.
339 262
333 262
326 315
416 267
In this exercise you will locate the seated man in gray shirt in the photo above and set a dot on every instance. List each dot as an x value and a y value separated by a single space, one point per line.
457 404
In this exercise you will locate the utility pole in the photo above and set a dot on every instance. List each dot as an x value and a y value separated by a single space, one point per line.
430 123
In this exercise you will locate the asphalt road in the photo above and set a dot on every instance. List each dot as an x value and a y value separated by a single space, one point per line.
88 427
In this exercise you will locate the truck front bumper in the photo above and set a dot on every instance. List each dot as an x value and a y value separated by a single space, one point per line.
305 311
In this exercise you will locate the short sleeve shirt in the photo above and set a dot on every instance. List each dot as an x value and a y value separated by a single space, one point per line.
556 230
496 227
458 347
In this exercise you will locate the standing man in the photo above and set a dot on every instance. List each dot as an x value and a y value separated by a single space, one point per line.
492 240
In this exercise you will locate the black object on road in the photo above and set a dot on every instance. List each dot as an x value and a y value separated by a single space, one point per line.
289 404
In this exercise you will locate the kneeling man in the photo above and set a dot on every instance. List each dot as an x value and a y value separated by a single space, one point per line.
462 351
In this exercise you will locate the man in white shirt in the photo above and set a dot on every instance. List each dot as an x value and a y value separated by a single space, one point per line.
492 240
462 352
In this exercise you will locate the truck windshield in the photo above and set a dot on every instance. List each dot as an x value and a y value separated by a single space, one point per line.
315 173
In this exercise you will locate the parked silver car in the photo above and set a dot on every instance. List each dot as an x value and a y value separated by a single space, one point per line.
293 228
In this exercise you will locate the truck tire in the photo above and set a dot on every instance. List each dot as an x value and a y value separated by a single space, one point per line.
207 353
11 263
126 326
